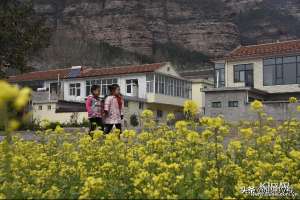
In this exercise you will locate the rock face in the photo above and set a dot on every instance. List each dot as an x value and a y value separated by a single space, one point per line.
212 27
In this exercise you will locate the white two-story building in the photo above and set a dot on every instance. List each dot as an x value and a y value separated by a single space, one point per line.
60 94
267 72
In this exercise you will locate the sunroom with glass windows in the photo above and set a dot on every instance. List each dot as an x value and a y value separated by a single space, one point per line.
168 85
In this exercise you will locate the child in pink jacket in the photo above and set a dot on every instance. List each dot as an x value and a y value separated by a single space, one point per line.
94 107
113 109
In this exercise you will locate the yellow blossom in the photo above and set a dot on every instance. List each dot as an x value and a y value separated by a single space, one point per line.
256 105
293 100
170 117
190 108
13 125
247 132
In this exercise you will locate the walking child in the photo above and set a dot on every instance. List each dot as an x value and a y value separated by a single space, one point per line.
113 109
94 107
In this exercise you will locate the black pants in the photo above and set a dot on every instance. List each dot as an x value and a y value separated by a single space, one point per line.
108 128
95 123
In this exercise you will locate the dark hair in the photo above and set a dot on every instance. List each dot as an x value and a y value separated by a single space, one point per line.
94 88
113 87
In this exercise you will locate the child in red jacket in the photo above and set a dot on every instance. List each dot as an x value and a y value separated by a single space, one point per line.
94 107
113 109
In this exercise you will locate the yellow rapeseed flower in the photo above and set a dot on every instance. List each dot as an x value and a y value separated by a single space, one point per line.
22 99
293 100
170 117
247 132
190 107
256 105
13 125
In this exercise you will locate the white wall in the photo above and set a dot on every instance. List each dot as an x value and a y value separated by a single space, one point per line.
141 81
66 87
52 116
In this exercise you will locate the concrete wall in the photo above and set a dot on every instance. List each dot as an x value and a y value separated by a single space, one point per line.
197 92
52 116
278 110
168 69
164 99
165 108
229 113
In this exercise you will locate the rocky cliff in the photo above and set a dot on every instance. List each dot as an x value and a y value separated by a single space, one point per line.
110 32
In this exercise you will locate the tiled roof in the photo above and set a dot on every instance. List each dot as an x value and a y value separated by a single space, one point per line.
122 70
40 75
264 50
86 72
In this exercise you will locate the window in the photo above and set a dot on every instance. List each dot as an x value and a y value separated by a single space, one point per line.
159 114
126 104
141 105
74 89
103 83
281 70
40 107
49 107
170 86
219 75
242 71
217 104
233 104
130 85
150 82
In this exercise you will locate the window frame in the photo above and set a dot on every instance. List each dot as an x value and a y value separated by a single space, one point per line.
103 83
233 104
279 79
246 68
170 86
219 74
75 89
216 103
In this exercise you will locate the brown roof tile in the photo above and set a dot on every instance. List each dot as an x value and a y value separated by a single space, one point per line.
264 50
122 70
39 75
86 72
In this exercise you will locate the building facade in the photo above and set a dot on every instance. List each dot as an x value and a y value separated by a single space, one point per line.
60 94
266 72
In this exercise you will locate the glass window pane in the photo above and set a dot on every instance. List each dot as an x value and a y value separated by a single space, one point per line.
269 61
242 76
269 75
289 73
128 89
249 67
236 76
278 60
219 65
290 59
279 71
